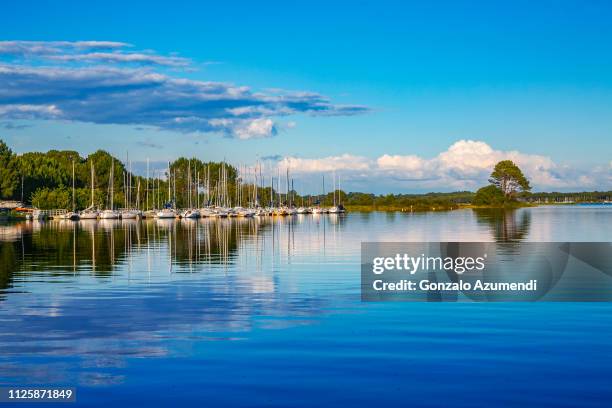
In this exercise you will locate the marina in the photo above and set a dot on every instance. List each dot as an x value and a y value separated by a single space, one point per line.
227 195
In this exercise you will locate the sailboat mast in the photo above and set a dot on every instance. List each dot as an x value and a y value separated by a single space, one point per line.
334 188
158 191
278 186
189 182
73 202
339 191
287 197
147 186
323 196
129 178
92 184
255 197
126 191
169 182
112 192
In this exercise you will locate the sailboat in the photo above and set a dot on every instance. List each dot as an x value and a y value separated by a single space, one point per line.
291 210
91 212
190 212
194 213
168 211
128 213
149 212
207 211
318 209
72 215
110 213
341 208
334 209
221 209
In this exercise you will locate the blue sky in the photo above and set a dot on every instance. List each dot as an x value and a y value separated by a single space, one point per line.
396 85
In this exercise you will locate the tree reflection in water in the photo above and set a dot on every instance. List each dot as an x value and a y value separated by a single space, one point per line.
505 225
58 248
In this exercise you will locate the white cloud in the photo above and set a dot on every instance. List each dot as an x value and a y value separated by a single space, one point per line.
467 158
466 164
326 164
124 57
256 128
23 111
397 162
44 48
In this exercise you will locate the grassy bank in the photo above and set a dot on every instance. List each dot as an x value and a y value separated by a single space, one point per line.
399 208
505 206
435 207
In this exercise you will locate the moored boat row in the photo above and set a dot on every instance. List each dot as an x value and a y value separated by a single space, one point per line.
170 213
201 200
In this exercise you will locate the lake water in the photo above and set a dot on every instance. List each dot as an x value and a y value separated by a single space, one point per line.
267 312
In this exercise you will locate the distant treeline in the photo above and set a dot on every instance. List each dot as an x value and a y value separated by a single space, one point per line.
45 179
400 202
577 197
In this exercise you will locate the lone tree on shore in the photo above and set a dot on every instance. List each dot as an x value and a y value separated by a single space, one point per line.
509 179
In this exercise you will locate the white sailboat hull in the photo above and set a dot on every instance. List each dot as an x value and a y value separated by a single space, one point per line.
90 215
191 214
70 216
130 215
165 214
109 215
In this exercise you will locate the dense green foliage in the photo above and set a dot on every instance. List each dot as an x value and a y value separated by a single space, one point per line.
399 202
507 183
8 173
45 180
509 179
489 195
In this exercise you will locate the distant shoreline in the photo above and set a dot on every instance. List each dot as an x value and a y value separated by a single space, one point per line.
370 208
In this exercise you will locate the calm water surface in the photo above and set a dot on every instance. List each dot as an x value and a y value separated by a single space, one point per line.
267 312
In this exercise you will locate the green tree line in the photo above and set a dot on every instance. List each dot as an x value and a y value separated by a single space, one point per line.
45 179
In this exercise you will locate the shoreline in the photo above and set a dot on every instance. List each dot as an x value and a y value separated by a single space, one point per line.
365 208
